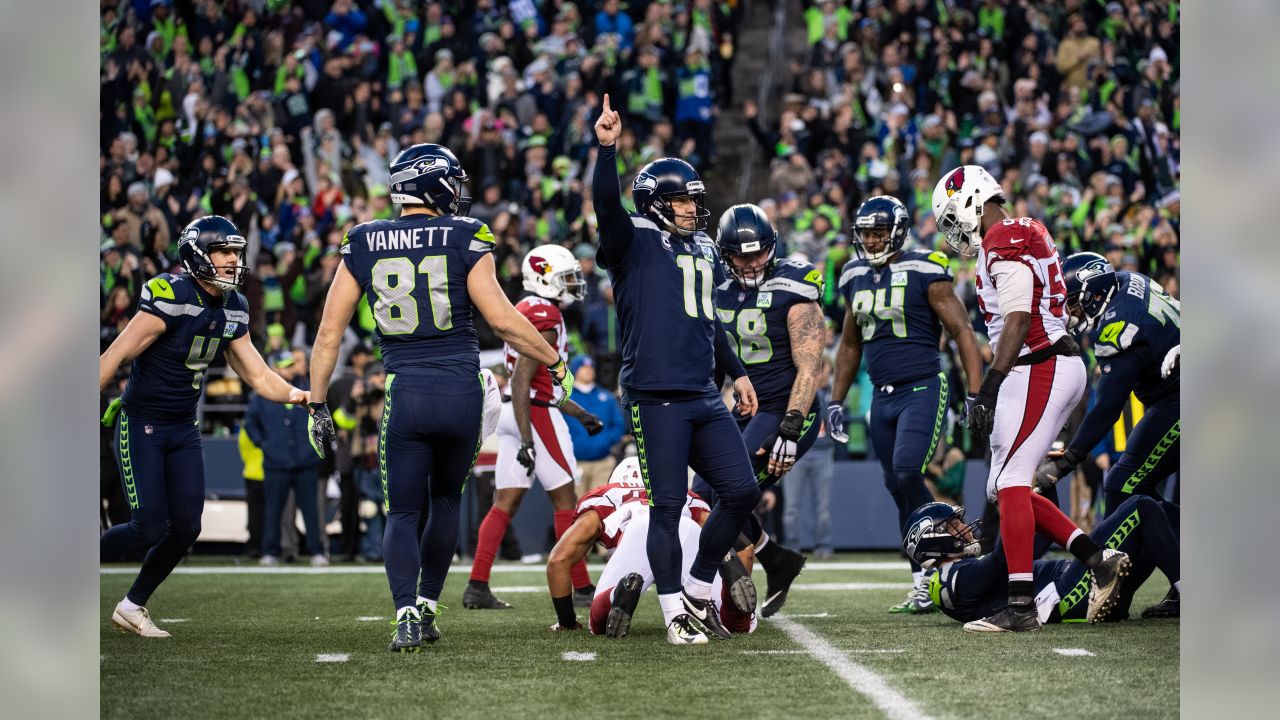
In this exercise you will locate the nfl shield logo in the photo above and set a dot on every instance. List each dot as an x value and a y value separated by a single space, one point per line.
213 324
148 429
764 300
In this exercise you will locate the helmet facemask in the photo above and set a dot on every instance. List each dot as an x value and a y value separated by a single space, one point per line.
929 541
1085 307
887 249
573 287
751 277
204 269
962 236
662 208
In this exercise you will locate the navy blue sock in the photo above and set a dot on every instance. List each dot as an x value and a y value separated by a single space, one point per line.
401 555
439 544
663 547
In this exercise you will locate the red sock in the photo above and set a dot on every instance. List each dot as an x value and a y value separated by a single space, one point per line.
600 608
1050 521
1017 530
581 578
492 528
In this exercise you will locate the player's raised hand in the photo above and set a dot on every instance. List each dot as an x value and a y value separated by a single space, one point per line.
745 394
609 124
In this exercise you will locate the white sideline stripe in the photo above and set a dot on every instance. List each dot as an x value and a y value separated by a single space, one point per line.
775 652
332 657
812 615
371 618
1074 652
892 703
456 569
578 656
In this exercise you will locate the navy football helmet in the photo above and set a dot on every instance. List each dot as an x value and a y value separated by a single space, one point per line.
663 180
204 235
1091 282
429 174
886 214
937 531
746 230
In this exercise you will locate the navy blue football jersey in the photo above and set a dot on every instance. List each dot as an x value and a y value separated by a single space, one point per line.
166 379
756 320
900 331
974 588
1143 321
413 269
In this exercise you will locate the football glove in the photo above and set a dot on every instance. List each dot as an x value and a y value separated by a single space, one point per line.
320 427
786 444
1171 361
835 423
980 408
1058 466
592 424
111 413
527 456
560 373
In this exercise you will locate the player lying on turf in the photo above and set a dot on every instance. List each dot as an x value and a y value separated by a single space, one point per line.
602 516
969 588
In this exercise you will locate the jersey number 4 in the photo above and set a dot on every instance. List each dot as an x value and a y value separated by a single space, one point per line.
200 355
394 280
869 305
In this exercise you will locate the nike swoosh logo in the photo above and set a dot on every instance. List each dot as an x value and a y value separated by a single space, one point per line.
919 389
772 597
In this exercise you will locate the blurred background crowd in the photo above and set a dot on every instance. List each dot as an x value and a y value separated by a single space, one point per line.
283 116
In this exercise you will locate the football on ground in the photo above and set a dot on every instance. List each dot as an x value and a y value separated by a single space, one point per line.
291 642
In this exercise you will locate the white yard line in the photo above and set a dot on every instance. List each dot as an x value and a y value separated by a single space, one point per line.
1074 652
172 620
578 656
332 657
862 680
456 569
371 618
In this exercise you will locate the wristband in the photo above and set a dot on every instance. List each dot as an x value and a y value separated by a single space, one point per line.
991 383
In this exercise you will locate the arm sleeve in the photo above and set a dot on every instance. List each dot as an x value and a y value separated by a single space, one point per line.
1119 375
726 359
615 225
1014 285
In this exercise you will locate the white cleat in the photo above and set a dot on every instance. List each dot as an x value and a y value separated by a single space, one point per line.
319 561
684 630
137 622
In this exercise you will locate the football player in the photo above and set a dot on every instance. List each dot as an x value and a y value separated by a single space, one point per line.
1134 326
533 440
422 273
186 323
770 309
664 269
609 515
1034 382
897 302
969 588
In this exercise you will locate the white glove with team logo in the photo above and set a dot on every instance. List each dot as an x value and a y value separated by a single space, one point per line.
1171 361
785 448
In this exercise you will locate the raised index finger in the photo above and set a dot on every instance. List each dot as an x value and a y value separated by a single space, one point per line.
606 102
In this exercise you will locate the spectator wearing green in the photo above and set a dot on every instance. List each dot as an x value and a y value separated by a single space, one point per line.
825 13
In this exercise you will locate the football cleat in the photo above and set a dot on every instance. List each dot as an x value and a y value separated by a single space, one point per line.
779 579
706 613
407 636
738 582
583 597
269 561
1104 585
480 597
918 601
318 561
1010 619
684 630
625 598
137 622
1169 607
430 632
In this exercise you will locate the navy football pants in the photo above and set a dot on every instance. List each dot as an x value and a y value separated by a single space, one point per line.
1151 454
427 444
162 469
906 423
697 433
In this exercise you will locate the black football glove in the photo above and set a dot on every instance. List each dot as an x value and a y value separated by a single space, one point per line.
592 424
835 423
527 456
1056 468
980 409
782 454
320 427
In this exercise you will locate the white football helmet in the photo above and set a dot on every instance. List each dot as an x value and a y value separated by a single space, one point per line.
957 205
628 472
552 272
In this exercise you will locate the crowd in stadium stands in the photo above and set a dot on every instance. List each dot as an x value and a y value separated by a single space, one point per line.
283 116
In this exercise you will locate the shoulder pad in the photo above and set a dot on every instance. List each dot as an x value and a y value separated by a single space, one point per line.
807 287
165 287
853 269
924 262
1115 337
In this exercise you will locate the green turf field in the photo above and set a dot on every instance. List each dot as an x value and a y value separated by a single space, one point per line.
248 646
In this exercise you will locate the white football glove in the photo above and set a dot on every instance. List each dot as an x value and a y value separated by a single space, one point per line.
1171 361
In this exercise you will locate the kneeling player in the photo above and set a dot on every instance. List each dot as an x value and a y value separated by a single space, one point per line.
970 588
602 516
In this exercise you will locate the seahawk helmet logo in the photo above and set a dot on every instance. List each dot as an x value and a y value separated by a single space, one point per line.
428 163
916 533
955 182
644 181
1091 270
539 265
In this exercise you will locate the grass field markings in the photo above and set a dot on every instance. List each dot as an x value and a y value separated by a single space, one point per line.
456 569
371 618
775 652
332 657
812 615
171 620
578 656
861 679
1073 652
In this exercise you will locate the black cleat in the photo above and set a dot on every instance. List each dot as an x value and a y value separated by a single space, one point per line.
430 632
408 633
480 597
1013 618
779 579
1104 585
583 597
1169 607
625 598
707 614
738 582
